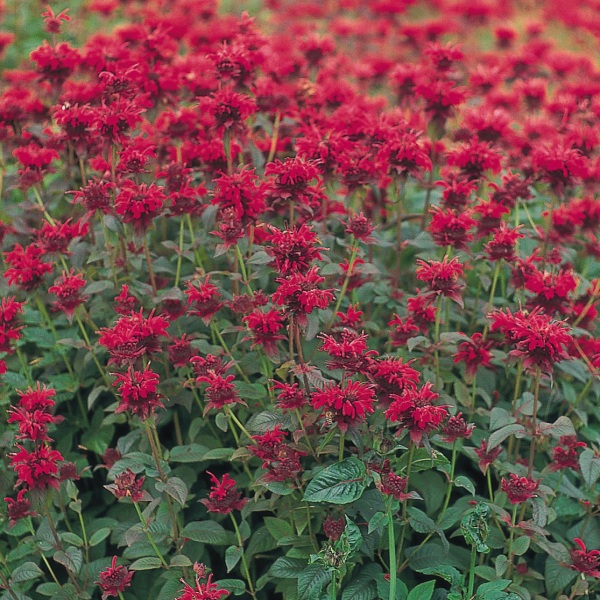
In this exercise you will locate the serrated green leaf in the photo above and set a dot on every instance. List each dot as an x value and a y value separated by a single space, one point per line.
71 559
26 572
180 560
233 554
341 483
363 585
465 482
311 581
590 466
188 453
175 487
423 591
146 563
207 532
234 586
71 538
278 528
558 577
99 536
520 545
377 521
48 589
287 568
499 436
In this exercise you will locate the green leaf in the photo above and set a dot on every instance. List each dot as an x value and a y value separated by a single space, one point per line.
383 588
251 391
234 586
562 426
488 590
590 466
521 545
99 536
71 559
72 538
263 421
146 563
180 560
341 483
500 417
465 482
221 422
278 528
175 487
377 521
26 572
499 436
446 572
48 589
219 454
233 554
287 568
363 586
502 563
311 581
188 454
207 532
558 578
420 522
423 591
423 461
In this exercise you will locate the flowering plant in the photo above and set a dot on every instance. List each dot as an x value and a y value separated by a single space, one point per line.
302 304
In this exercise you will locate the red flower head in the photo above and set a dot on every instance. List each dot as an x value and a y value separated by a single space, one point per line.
181 351
67 289
502 244
519 489
392 484
560 165
228 108
18 509
403 330
487 457
26 269
203 299
300 293
584 560
347 405
451 228
138 392
280 459
240 193
220 391
263 327
202 591
391 376
456 428
349 352
127 485
564 456
293 250
114 579
37 469
473 353
538 340
96 195
124 304
334 528
474 158
413 410
9 332
56 238
139 204
442 277
360 227
223 497
290 397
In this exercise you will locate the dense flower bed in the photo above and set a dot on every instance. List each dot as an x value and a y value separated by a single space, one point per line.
302 305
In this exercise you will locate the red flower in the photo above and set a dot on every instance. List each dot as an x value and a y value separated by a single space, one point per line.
223 497
220 391
473 353
519 489
57 237
392 376
349 352
413 410
127 485
37 469
392 484
133 336
502 244
138 392
565 455
442 277
290 397
560 165
35 156
451 228
538 340
280 459
487 457
360 227
474 158
26 270
347 405
228 108
96 195
203 299
123 303
9 309
139 204
240 193
202 591
300 293
585 561
403 330
264 327
67 288
52 22
293 249
334 528
18 509
114 579
181 351
456 428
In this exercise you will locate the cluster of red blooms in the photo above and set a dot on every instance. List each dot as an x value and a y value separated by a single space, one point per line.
283 194
36 464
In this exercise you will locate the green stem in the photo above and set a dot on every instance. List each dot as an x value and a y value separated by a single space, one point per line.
274 137
490 303
341 451
472 572
513 521
227 351
109 250
536 396
411 452
180 254
345 283
87 548
244 563
438 318
234 418
243 270
149 265
94 357
193 240
392 550
333 593
24 366
516 395
227 148
450 483
489 485
146 530
48 566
